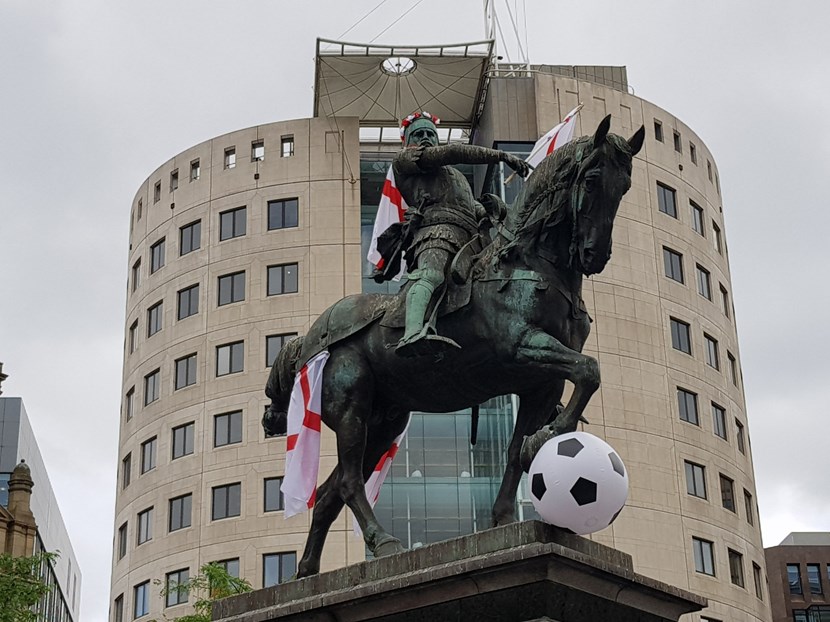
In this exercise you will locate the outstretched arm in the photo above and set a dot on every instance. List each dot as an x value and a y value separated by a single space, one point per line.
448 155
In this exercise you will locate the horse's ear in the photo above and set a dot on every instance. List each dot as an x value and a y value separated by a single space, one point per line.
636 141
602 132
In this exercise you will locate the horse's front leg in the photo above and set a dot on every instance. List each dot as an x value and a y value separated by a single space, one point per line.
541 349
535 410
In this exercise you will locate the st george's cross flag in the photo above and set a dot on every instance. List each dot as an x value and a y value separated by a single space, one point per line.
391 209
558 136
302 451
302 454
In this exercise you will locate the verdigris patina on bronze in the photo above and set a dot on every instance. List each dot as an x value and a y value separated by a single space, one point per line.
519 322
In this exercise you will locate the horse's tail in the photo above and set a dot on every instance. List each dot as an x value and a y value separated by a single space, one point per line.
278 388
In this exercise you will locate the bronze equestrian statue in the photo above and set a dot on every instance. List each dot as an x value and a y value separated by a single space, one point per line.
519 320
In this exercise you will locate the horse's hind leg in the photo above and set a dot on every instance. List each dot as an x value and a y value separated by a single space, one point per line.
327 505
534 412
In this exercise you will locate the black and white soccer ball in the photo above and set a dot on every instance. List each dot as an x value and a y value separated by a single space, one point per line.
578 482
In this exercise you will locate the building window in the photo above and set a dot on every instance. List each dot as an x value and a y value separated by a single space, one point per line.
680 336
282 279
141 595
231 288
749 507
716 238
759 585
139 210
157 192
148 455
232 224
673 262
273 345
175 584
174 180
283 214
179 512
704 556
187 302
727 493
287 146
736 567
258 151
154 318
122 541
230 358
273 494
230 157
739 436
137 274
719 420
695 479
152 383
231 566
129 403
195 170
133 340
724 300
145 526
658 131
227 429
118 609
278 568
157 256
185 371
190 238
814 578
678 143
183 440
799 615
704 284
126 470
693 153
709 169
226 501
667 200
712 358
733 367
794 578
687 405
697 218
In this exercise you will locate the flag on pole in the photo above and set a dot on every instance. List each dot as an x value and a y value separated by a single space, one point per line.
302 452
391 209
558 136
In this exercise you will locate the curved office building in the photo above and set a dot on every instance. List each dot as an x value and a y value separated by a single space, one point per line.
241 241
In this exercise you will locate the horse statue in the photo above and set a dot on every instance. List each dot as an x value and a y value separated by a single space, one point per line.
520 321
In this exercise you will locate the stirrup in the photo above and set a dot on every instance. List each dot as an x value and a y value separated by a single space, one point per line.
425 342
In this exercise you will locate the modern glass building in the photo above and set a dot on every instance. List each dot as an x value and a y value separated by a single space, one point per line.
243 240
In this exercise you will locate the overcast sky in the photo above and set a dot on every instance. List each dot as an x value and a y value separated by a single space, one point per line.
95 94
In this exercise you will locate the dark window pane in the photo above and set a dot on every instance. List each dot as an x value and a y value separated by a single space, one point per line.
273 494
794 578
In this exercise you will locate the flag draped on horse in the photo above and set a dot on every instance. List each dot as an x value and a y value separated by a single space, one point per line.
302 453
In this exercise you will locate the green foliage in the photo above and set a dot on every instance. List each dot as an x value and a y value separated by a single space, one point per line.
22 586
213 583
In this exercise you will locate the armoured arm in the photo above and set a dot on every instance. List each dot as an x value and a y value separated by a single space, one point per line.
448 155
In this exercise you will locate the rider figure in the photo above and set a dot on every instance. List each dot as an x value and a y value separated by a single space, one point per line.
444 216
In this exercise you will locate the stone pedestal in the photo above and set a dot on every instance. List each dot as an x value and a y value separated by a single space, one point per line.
525 572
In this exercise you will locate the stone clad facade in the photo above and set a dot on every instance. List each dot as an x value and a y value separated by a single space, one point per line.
701 534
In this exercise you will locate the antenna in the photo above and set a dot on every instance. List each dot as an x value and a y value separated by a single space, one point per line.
512 37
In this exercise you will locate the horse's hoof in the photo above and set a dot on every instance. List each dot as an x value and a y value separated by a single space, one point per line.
503 520
388 546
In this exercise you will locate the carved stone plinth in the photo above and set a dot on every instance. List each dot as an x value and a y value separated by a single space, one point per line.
525 572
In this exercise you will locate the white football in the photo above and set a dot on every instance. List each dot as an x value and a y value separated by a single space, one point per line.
578 482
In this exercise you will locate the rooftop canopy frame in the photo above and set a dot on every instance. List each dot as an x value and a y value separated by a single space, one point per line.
382 84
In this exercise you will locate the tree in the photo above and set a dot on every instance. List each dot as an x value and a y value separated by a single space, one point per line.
22 586
213 583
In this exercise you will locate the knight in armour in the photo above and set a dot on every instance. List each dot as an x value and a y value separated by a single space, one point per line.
443 216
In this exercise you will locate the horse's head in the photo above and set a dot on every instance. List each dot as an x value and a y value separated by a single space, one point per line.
602 177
